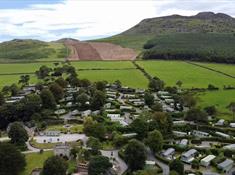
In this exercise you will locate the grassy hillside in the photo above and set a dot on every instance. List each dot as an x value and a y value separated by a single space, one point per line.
211 47
28 50
204 22
133 41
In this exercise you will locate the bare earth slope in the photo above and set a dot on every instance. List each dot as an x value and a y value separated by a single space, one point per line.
98 51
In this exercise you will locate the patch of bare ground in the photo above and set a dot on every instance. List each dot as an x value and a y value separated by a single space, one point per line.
98 51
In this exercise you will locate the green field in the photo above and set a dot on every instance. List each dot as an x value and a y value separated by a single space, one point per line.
21 67
190 75
10 79
35 160
169 71
225 68
137 79
103 64
220 99
131 78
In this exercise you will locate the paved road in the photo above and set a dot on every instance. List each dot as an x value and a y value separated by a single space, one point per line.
120 162
164 167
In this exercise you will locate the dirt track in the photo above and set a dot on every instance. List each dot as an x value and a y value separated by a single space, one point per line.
98 51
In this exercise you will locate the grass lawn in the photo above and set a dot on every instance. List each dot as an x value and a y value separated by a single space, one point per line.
35 160
220 99
75 128
131 78
102 64
190 75
42 145
225 68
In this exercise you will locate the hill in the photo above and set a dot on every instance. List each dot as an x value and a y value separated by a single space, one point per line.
205 22
29 50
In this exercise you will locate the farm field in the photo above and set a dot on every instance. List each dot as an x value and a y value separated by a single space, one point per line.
12 68
220 99
10 79
225 68
191 75
35 160
21 67
103 64
132 78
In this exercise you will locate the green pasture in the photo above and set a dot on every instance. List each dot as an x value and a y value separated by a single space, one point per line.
221 99
192 76
103 64
10 79
132 78
21 67
225 68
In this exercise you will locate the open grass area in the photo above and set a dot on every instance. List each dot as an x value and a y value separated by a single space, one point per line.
225 68
192 76
220 99
21 67
132 78
35 160
42 145
103 64
10 79
75 128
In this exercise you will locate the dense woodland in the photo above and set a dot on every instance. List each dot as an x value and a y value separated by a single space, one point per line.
209 47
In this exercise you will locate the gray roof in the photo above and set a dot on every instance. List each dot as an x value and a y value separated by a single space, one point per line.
169 151
189 153
225 163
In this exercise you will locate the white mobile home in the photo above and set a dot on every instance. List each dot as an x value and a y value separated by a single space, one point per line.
188 156
222 134
206 161
179 133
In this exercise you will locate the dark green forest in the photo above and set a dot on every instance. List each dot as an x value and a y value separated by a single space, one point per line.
208 47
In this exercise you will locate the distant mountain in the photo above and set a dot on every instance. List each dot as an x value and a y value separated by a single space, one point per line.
63 40
205 22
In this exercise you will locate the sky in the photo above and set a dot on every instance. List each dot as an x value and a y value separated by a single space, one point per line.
90 19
